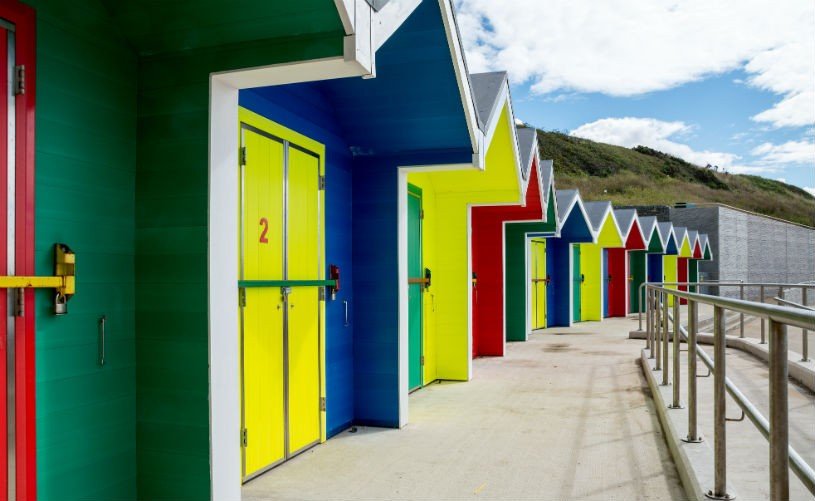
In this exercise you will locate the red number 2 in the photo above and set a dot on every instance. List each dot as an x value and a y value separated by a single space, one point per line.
265 223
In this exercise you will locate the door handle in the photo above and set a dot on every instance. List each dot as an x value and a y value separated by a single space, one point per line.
346 324
101 345
582 278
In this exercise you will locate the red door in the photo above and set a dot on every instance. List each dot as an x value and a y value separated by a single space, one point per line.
17 418
682 275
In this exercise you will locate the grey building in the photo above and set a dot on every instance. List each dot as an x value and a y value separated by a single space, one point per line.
750 247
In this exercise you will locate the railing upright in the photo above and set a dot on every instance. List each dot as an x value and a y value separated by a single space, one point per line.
693 323
665 362
763 335
805 333
779 414
677 375
719 408
741 315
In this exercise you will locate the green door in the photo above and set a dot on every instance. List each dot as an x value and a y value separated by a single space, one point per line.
415 287
636 276
577 283
693 273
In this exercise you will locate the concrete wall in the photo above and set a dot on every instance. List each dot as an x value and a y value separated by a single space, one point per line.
750 247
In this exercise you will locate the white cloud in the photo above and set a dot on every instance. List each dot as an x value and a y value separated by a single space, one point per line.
660 135
781 179
811 191
791 152
630 47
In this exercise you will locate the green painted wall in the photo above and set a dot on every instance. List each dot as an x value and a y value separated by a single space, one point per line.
171 257
636 269
85 185
515 284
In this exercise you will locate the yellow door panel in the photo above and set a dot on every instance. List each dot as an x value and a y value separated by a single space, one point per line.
262 221
540 285
303 254
304 368
263 379
262 317
303 231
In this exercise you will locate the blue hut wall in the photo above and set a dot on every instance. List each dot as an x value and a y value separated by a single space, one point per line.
654 262
559 292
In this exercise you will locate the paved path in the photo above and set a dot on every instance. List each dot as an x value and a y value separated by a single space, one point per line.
563 416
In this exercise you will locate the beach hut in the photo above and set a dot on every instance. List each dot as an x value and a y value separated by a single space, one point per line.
621 270
683 257
670 257
594 265
639 260
563 294
175 256
526 277
444 349
693 262
491 256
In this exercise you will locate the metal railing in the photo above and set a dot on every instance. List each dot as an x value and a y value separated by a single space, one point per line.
775 430
781 287
803 306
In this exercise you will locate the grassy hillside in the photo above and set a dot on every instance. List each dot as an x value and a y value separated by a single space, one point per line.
643 176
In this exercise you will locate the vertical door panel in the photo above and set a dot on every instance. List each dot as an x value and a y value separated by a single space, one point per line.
636 267
607 286
303 260
577 283
262 317
414 290
539 286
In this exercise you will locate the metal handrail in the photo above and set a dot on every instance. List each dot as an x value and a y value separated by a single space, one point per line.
804 286
782 455
792 303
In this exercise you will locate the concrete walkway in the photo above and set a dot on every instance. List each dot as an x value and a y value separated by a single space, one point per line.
563 416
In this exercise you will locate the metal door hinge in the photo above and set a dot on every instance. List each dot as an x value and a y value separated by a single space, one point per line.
322 403
19 80
244 437
19 302
421 360
242 297
321 293
322 182
242 155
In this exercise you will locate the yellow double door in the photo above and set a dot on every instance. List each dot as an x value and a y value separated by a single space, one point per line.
280 259
539 283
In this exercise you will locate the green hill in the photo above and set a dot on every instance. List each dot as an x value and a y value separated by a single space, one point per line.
643 176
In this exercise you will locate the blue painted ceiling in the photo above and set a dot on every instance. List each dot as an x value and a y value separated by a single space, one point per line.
414 103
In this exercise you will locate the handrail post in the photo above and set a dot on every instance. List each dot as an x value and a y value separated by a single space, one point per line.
651 318
804 332
693 320
658 330
763 335
741 315
647 325
779 432
665 339
677 370
641 301
719 490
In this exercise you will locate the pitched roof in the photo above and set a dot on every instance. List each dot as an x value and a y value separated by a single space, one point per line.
565 199
597 213
666 232
527 144
625 219
486 92
648 224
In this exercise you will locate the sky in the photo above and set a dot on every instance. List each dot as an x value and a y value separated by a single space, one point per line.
729 83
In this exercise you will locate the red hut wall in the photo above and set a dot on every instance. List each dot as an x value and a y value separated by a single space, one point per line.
682 276
618 282
488 266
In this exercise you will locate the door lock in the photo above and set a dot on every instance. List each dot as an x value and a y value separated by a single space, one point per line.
63 281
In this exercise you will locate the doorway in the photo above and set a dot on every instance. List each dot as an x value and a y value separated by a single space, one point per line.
416 286
540 280
281 292
577 284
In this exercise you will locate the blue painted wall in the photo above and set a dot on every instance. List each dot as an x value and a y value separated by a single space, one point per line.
306 110
654 263
558 257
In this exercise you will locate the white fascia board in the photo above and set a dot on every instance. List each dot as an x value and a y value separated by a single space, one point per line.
460 67
293 72
578 201
516 152
390 18
357 21
553 189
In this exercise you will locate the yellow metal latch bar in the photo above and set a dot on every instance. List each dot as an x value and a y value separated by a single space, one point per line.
63 281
